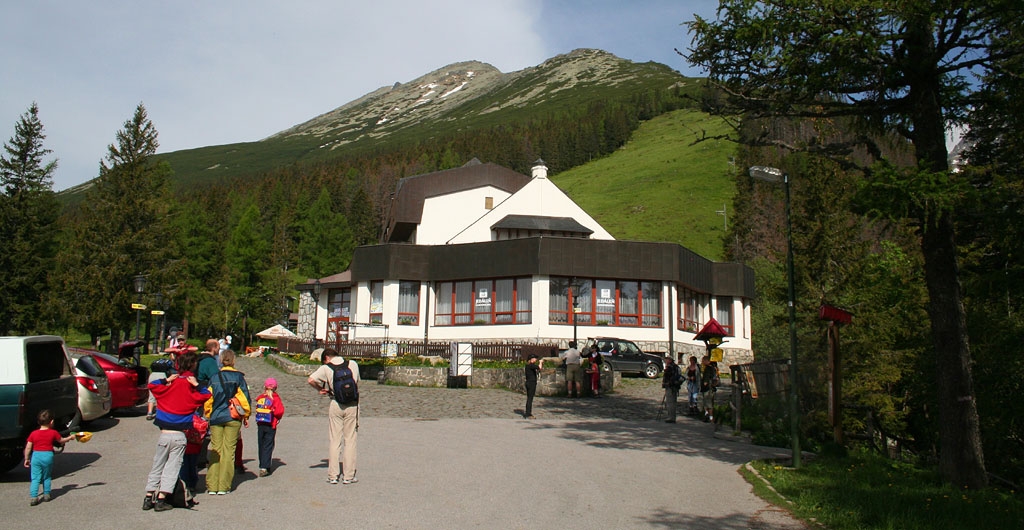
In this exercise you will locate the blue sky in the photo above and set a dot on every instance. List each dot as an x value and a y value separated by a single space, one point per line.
229 71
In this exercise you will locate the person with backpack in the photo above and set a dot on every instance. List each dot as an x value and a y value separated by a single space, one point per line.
177 397
269 411
227 409
708 385
339 378
671 380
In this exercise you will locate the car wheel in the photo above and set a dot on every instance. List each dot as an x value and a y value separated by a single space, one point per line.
651 371
606 367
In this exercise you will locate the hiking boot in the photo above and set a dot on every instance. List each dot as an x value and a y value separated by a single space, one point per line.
147 503
162 506
35 501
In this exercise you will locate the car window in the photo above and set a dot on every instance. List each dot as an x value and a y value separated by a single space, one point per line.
46 361
605 346
89 366
628 348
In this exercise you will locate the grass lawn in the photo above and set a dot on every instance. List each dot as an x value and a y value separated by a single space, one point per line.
865 490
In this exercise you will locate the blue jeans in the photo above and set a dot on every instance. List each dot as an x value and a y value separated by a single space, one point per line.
266 434
42 467
190 470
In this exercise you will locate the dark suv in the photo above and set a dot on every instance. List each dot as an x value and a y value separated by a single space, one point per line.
624 356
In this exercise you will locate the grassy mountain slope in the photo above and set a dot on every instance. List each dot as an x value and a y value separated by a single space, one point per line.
661 186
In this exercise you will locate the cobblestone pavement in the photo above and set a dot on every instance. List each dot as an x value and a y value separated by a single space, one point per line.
635 399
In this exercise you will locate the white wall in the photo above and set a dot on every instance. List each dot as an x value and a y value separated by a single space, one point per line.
540 197
445 216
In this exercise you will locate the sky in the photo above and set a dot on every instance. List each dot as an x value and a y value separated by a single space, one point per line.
228 71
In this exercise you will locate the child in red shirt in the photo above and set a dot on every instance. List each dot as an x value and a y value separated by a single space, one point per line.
269 411
39 455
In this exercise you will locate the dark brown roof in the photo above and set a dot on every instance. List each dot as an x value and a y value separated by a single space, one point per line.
410 192
539 222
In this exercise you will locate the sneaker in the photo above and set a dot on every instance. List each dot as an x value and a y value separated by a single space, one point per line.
223 492
332 481
264 473
147 503
352 480
46 497
35 501
162 506
150 416
211 493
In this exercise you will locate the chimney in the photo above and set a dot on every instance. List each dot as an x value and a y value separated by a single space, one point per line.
540 170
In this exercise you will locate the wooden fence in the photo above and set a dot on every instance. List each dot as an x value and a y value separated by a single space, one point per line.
377 349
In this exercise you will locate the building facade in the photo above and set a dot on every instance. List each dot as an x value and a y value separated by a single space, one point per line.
481 253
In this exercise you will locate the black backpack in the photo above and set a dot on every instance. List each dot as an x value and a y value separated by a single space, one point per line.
346 392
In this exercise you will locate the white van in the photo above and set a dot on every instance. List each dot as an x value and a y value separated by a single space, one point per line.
35 374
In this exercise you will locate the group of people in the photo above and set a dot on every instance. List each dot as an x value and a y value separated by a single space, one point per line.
701 381
206 400
574 373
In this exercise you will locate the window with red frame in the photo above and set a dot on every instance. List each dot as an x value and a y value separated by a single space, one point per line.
605 302
499 301
691 306
408 303
376 302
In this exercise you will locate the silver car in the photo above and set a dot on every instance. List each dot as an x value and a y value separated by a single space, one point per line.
94 396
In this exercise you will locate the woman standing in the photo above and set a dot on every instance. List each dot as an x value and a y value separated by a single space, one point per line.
224 427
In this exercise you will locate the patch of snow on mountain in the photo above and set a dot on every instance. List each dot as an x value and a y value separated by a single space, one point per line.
454 90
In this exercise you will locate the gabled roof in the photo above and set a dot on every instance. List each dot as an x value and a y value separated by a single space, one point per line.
540 222
407 206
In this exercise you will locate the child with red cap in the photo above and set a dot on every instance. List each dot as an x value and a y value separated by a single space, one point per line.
269 411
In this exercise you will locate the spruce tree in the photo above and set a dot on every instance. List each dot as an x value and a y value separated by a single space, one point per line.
28 213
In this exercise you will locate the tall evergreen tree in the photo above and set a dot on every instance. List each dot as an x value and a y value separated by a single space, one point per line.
325 240
28 213
123 230
899 67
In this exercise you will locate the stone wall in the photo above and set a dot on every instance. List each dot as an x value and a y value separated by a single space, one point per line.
550 383
305 327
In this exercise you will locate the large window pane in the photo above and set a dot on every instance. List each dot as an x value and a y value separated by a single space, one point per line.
443 305
464 303
605 304
409 303
376 302
524 287
650 304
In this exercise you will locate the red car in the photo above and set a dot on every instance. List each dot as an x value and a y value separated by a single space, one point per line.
128 383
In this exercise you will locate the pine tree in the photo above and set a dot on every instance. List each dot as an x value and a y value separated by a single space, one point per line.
28 213
123 231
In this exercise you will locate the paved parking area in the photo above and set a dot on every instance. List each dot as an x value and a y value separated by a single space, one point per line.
432 458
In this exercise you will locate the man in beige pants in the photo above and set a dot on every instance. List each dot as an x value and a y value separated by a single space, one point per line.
343 419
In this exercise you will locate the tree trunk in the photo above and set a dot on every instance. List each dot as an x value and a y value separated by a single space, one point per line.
961 460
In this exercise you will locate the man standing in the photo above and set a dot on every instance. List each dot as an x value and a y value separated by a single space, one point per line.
671 381
532 369
340 378
572 369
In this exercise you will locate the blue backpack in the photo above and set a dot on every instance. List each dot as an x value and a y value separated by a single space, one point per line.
346 392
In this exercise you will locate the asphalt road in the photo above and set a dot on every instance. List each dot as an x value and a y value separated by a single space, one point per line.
430 458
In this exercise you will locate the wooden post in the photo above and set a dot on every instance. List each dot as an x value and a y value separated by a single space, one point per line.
835 383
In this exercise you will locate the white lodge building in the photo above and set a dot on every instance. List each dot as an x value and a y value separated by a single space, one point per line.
483 254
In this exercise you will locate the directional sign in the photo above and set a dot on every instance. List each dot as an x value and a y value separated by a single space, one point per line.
139 306
156 312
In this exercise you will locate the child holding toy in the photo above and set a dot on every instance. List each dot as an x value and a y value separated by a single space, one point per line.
39 455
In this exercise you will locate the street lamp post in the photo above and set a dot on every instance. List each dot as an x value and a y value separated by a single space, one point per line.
139 282
158 299
775 175
316 309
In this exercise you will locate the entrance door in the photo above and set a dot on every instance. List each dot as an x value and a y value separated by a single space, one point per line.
339 305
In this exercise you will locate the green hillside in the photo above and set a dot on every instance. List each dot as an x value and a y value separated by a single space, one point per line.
661 186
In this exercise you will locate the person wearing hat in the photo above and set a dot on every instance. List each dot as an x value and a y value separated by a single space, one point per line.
269 411
532 370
